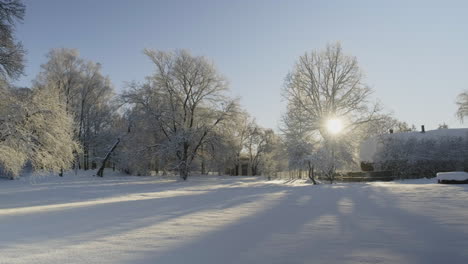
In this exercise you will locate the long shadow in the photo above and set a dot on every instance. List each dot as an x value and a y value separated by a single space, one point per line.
381 226
372 231
230 243
374 224
72 192
97 190
125 216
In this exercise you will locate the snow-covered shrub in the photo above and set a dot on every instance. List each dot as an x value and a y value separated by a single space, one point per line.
410 157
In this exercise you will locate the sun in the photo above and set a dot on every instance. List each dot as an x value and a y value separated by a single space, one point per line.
334 126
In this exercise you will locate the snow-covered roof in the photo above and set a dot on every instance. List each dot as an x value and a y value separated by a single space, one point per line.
369 147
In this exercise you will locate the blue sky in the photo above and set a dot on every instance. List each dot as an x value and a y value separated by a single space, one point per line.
414 53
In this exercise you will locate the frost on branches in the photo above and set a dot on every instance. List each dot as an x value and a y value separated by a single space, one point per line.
34 127
326 85
183 102
87 96
462 102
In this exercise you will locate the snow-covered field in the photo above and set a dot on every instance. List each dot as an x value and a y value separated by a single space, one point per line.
83 219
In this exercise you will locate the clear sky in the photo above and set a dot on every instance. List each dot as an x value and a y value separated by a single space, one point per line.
414 53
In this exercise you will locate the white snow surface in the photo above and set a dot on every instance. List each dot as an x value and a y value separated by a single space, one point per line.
210 219
453 176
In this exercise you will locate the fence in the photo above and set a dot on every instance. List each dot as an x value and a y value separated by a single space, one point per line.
359 176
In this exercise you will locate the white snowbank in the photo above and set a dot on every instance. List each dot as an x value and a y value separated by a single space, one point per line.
452 176
416 181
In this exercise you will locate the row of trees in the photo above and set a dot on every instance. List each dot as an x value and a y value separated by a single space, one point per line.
180 119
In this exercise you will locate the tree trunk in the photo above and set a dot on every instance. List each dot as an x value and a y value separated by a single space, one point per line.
100 172
203 165
85 158
311 173
203 169
254 170
183 171
183 166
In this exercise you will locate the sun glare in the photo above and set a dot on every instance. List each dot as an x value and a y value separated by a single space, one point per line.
334 126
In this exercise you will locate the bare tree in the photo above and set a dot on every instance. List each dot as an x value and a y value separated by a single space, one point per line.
329 84
257 145
186 99
326 85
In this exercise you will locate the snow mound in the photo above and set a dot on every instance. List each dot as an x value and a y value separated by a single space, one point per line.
452 176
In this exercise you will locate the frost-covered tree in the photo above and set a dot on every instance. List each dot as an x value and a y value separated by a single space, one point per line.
258 144
186 99
272 159
384 124
62 71
34 127
12 130
51 129
237 131
238 142
141 149
298 139
11 51
328 85
218 151
226 146
87 96
462 102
